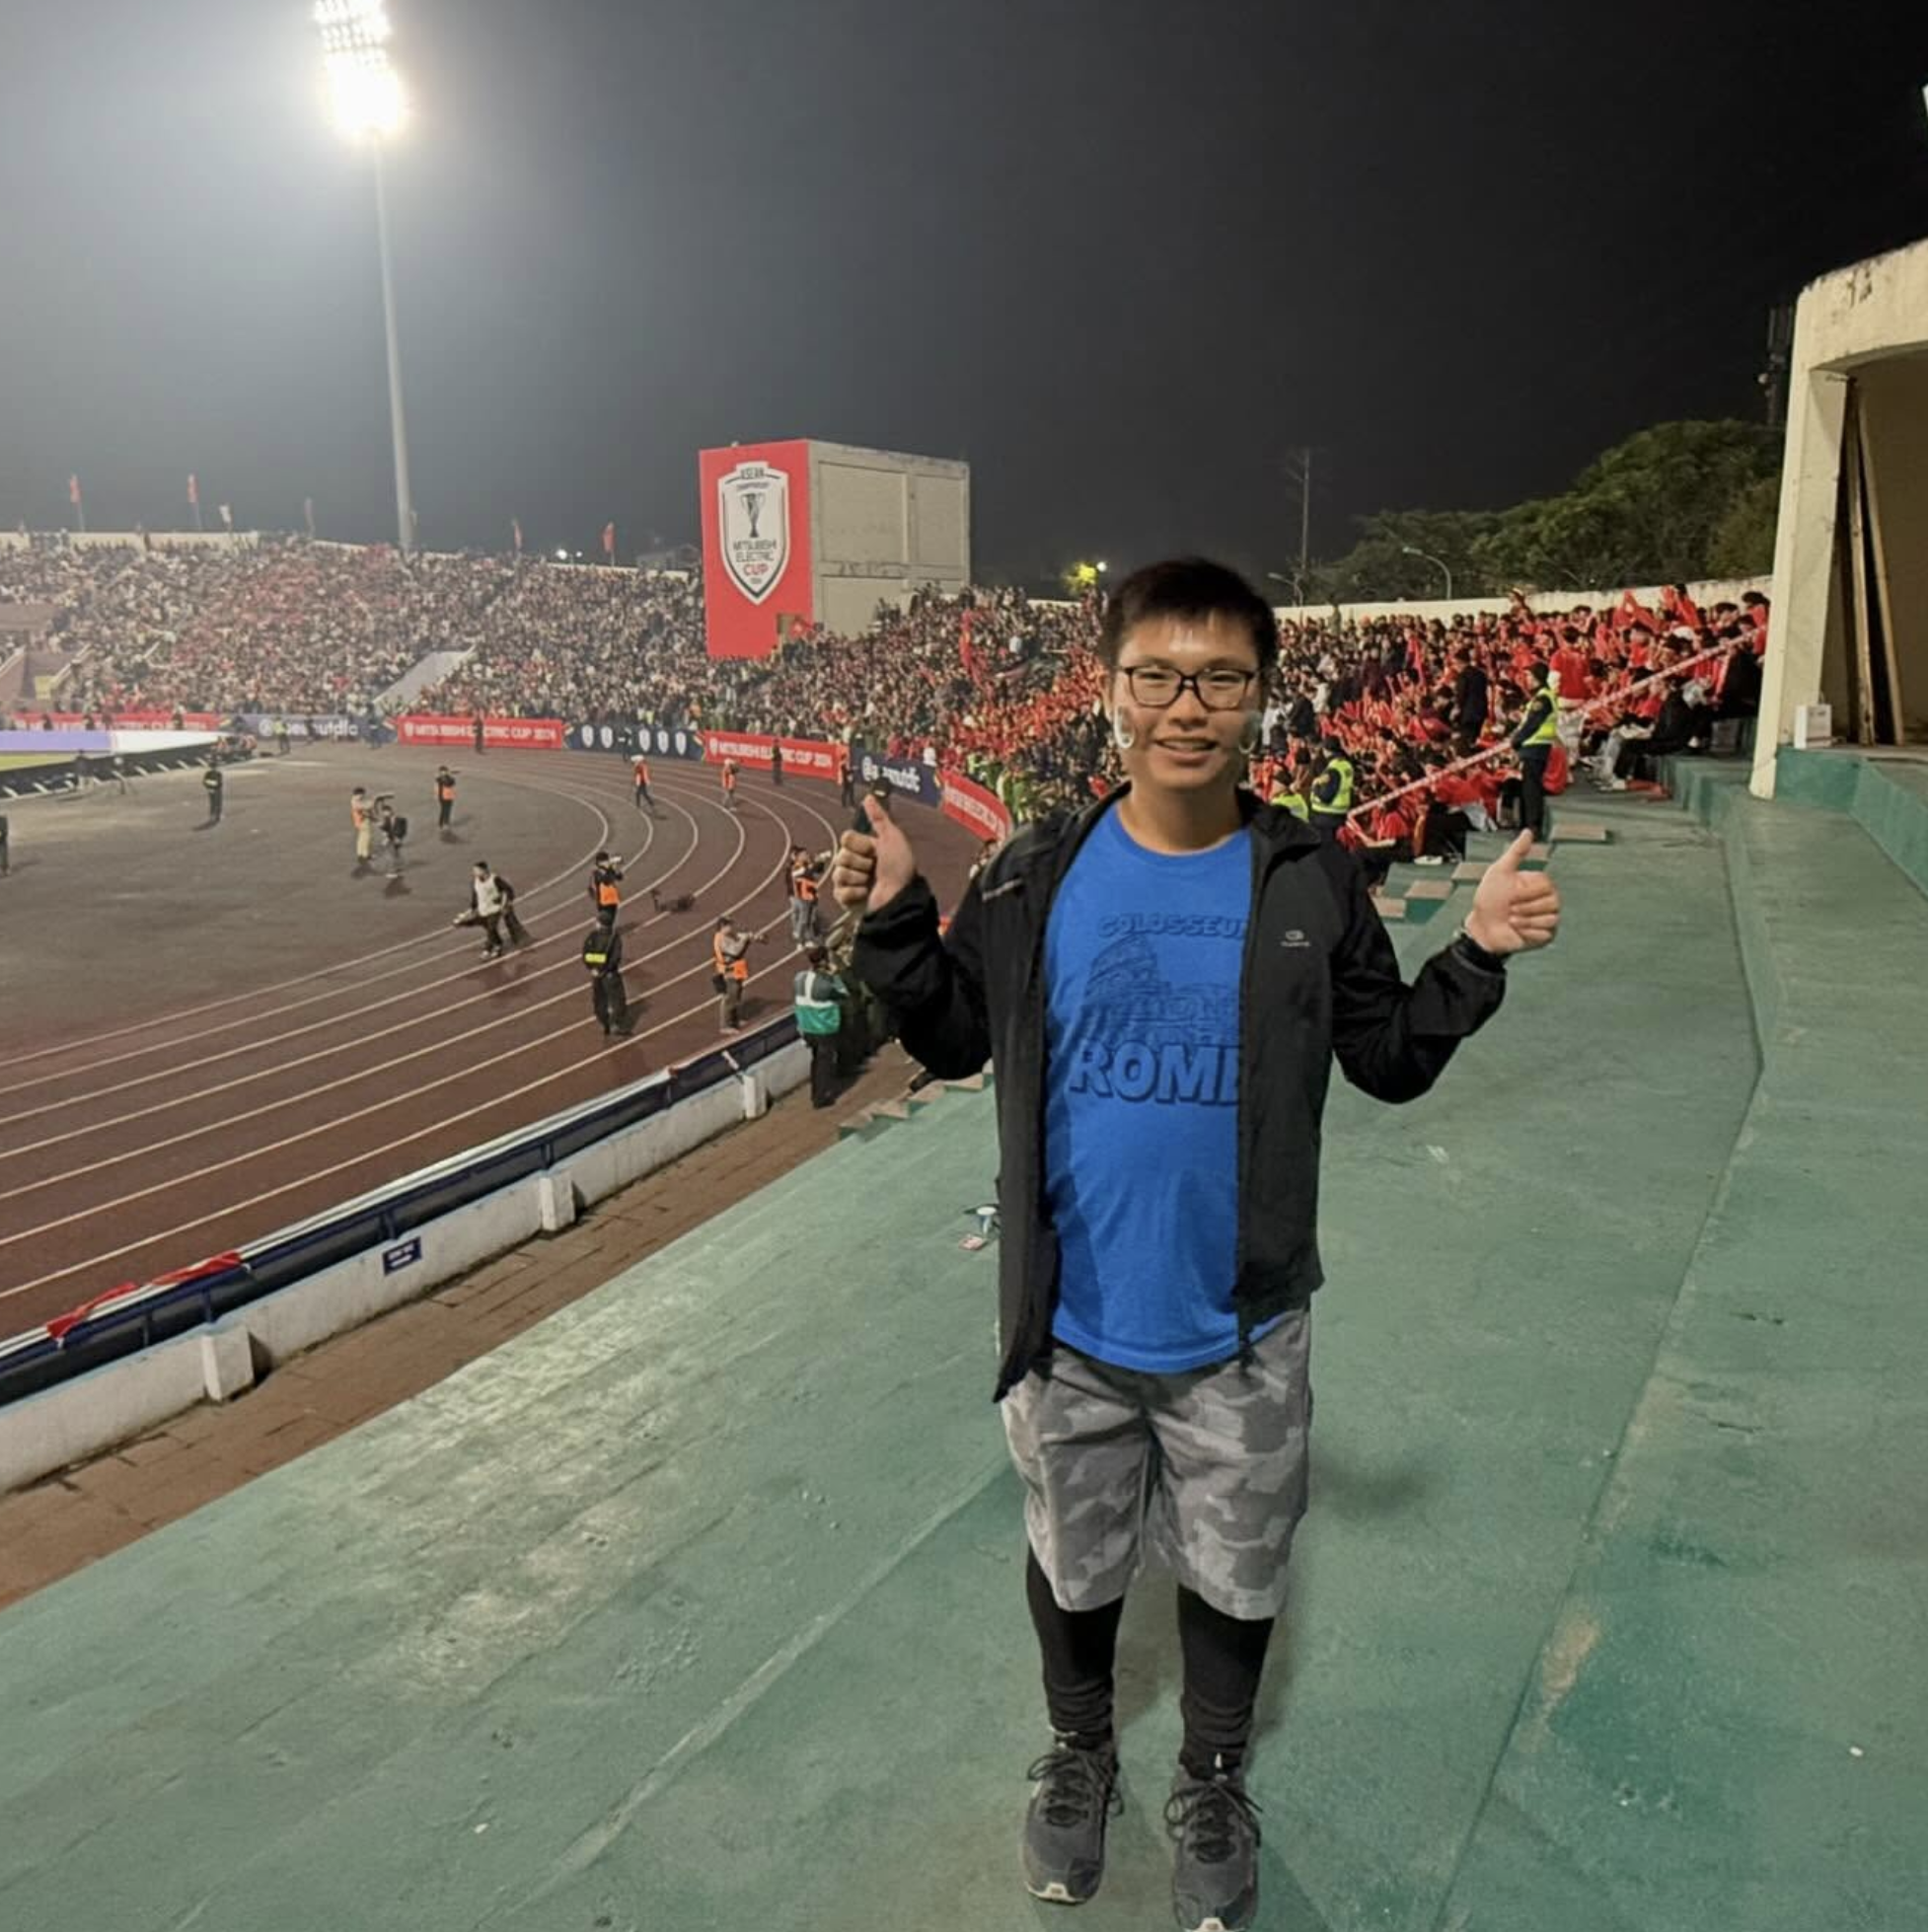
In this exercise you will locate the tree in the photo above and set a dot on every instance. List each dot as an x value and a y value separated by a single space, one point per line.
1646 511
1379 564
1743 544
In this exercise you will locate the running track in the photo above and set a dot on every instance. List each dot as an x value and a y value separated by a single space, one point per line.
202 1124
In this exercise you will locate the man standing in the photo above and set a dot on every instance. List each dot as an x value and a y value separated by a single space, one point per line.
1470 698
476 722
639 777
605 882
845 777
729 782
1332 791
362 815
730 949
1181 945
211 784
444 798
602 954
1533 738
281 736
777 763
819 996
803 898
395 829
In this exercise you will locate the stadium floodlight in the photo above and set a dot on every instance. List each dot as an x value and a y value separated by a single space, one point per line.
363 86
365 93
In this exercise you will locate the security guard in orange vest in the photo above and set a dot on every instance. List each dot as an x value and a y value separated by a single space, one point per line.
444 798
603 893
730 949
729 782
803 898
639 777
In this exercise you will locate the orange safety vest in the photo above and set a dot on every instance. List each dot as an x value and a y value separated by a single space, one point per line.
606 893
444 790
730 778
358 813
643 771
803 886
731 969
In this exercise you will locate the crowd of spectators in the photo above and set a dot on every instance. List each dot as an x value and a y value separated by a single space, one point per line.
1408 703
1005 685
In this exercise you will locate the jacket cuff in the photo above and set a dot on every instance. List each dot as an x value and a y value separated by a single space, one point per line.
1472 954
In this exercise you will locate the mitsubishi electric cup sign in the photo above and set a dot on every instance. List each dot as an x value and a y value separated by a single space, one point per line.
753 513
756 546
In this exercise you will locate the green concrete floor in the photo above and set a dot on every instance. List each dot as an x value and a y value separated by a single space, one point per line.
699 1606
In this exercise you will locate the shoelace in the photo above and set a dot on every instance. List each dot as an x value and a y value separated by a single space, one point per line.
1076 1782
1212 1819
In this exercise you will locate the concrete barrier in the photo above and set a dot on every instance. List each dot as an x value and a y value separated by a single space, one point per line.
78 1419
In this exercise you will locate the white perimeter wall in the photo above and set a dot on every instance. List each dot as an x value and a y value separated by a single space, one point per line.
1855 317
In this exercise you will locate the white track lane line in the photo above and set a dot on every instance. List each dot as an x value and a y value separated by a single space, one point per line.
591 804
368 1154
258 1046
329 993
342 1120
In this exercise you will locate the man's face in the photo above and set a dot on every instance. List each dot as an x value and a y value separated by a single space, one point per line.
1185 745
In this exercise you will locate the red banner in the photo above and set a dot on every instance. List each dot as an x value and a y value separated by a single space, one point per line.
803 758
503 734
969 804
756 546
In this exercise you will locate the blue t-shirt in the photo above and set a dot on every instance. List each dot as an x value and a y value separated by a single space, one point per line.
1143 957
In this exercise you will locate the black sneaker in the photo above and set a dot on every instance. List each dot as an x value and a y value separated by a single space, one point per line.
1215 1877
1077 1796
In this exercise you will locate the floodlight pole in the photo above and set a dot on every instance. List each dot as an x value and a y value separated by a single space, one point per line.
405 508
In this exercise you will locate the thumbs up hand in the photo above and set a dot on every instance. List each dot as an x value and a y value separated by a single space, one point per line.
1513 910
872 872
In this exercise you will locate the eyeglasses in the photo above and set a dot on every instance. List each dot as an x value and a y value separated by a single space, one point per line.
1221 688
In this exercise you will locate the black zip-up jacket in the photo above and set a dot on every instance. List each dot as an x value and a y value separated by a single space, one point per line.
1319 978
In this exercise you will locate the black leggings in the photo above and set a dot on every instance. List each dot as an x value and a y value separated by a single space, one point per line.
1224 1657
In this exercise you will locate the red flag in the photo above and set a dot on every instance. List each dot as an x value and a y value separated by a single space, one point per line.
1680 607
73 492
1630 611
609 539
967 649
194 490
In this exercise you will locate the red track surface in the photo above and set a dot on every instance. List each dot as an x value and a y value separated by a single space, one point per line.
241 1087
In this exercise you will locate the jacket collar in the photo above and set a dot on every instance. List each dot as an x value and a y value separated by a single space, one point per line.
1053 841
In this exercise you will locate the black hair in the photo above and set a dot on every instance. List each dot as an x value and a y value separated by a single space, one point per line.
1190 587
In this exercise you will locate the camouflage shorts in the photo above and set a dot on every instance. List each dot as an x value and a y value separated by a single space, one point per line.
1205 1473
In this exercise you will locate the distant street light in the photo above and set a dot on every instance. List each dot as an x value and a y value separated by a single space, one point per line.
1408 550
1293 582
365 93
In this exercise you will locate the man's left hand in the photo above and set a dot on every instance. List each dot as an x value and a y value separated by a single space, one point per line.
1514 911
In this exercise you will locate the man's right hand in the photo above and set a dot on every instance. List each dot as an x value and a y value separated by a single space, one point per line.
872 872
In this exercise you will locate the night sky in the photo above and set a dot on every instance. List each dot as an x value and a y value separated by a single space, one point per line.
1119 256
